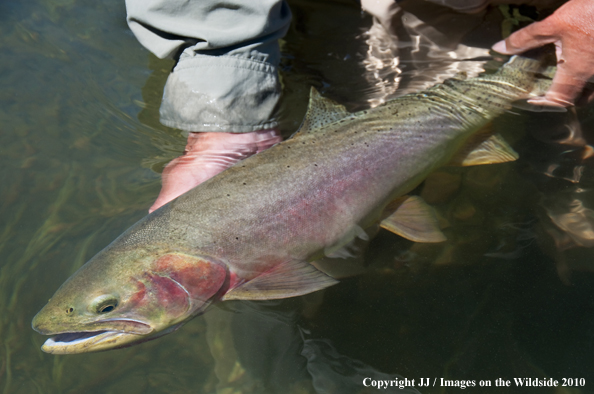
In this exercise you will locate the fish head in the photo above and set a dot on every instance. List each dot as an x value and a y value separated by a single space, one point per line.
120 299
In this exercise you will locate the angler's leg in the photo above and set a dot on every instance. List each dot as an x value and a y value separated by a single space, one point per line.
225 80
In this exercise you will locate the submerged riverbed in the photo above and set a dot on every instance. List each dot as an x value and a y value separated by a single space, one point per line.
509 295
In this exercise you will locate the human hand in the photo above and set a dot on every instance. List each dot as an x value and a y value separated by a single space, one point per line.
571 29
206 155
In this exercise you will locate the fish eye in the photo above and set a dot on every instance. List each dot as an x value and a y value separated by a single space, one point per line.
104 304
106 308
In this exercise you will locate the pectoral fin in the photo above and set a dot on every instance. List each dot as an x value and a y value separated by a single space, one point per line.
484 148
413 219
290 279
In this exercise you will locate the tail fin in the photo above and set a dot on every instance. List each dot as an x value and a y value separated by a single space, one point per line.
519 70
523 64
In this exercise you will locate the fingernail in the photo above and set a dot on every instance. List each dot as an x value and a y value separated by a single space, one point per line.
544 105
550 99
500 47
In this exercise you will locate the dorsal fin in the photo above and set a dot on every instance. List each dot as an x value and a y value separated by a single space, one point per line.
320 112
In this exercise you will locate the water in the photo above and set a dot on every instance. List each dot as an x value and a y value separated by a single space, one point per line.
508 296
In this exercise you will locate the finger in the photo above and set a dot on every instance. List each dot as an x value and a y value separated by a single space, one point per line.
566 86
268 138
532 36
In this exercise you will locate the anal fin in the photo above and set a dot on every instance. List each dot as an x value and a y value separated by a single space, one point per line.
413 219
484 148
289 279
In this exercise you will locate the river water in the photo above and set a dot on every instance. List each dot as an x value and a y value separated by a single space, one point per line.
509 295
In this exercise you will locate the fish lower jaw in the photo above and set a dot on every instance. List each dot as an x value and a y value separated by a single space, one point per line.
84 342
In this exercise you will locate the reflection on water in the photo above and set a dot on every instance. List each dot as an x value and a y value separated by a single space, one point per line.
508 295
412 47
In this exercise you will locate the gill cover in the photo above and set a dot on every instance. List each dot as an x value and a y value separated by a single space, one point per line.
116 306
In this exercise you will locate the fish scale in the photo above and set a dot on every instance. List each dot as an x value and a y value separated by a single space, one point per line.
394 161
252 231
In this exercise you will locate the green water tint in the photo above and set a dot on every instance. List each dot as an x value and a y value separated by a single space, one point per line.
80 135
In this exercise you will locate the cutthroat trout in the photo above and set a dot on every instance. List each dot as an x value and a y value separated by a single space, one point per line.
255 231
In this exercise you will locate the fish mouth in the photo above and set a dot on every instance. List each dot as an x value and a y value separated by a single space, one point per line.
72 342
73 337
